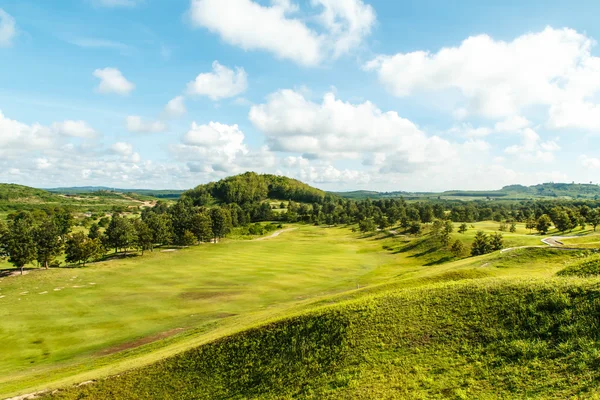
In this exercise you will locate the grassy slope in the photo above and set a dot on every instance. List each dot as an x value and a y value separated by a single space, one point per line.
200 288
484 339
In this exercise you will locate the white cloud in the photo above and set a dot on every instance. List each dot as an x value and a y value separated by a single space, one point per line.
337 129
42 163
512 124
74 129
175 108
575 115
7 29
135 124
589 162
220 84
216 139
122 148
113 81
16 136
252 26
498 79
532 149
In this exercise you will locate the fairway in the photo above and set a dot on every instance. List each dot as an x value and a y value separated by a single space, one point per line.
74 316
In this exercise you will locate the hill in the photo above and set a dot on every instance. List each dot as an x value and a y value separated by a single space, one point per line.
12 193
511 192
159 194
484 338
251 187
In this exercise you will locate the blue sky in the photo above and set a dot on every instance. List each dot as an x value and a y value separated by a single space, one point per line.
344 94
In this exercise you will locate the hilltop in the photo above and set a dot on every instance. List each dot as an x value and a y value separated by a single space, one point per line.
12 193
251 187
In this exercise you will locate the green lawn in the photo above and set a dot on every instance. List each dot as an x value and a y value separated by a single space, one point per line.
68 325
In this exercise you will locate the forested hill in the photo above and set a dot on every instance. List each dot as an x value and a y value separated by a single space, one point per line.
17 193
251 187
512 192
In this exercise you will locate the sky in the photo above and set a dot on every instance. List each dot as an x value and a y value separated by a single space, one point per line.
411 95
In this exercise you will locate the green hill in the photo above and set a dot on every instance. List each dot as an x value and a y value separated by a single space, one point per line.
484 339
11 193
251 187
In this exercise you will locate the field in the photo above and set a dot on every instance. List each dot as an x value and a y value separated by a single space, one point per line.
69 325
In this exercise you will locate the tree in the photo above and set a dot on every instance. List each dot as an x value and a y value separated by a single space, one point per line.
120 233
366 225
19 243
144 239
94 232
502 227
462 228
513 227
3 239
458 248
160 226
561 220
64 223
593 218
481 244
202 226
447 229
220 224
189 238
496 241
80 249
48 243
415 228
543 224
531 224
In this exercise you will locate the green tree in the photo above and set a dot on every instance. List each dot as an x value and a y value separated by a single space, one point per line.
415 228
543 225
189 239
481 244
496 241
220 223
94 232
367 225
80 249
513 227
144 240
202 226
64 223
593 218
120 233
463 228
160 226
447 229
531 224
19 242
48 243
458 248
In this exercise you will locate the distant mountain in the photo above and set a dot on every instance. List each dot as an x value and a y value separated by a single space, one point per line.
160 194
512 192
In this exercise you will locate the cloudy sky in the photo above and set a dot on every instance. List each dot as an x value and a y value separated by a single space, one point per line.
417 95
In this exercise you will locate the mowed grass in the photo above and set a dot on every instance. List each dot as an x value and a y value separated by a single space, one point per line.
70 317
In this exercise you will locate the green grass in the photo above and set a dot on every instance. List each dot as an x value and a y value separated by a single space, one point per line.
485 339
128 313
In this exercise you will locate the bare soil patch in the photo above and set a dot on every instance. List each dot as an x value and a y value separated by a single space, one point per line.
140 342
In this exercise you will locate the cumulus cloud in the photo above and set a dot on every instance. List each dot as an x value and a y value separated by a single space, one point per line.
126 151
175 108
113 81
74 129
221 83
589 162
252 26
135 124
338 129
16 136
7 29
552 68
532 148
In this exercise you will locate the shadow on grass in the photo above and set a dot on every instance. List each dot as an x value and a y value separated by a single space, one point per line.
442 260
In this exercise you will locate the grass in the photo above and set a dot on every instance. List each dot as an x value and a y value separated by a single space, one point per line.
485 339
128 313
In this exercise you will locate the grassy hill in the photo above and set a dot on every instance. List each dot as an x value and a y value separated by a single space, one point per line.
11 193
484 339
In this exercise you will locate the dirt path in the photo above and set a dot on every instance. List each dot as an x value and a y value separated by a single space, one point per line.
552 241
275 234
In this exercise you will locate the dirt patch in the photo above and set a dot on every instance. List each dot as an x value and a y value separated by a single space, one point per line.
140 342
275 234
224 315
168 251
206 295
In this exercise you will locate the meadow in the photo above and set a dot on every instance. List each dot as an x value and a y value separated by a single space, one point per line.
69 325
